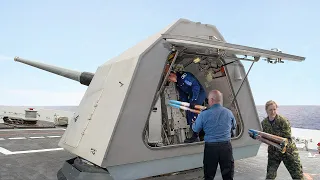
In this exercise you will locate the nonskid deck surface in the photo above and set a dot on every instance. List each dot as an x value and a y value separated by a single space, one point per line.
18 162
254 168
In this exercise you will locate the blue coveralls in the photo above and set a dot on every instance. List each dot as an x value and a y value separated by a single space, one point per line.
190 90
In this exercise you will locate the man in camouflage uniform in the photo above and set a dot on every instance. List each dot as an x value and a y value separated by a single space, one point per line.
278 125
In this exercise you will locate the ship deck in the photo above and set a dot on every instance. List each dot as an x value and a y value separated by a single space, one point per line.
35 155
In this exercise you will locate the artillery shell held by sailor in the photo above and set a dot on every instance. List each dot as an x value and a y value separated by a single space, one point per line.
186 104
270 139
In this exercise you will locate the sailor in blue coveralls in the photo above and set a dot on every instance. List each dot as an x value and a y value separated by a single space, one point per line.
190 90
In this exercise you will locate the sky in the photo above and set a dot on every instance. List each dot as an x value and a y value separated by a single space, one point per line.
82 35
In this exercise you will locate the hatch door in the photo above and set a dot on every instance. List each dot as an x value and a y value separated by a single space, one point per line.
230 49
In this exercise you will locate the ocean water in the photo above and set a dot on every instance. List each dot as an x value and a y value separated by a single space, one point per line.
306 117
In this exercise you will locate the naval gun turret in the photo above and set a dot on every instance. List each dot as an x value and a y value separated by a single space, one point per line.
123 127
82 77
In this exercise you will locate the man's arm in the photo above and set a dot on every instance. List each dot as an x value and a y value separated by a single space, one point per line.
233 121
195 90
197 125
233 124
195 86
182 96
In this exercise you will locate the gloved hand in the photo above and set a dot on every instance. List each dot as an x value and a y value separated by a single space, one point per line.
192 104
252 135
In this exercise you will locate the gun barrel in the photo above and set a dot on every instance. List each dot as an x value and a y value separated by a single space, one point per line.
82 77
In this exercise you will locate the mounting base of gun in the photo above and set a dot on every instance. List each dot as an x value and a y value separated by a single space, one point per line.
77 169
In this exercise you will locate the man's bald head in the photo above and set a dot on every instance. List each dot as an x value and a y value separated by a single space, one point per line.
214 97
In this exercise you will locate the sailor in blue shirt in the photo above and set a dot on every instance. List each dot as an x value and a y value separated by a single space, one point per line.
190 90
217 123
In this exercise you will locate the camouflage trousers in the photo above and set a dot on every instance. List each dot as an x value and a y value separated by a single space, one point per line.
290 159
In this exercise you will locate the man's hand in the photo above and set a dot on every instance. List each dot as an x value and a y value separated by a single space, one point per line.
193 119
192 104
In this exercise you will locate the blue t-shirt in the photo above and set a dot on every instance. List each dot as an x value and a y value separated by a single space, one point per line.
216 122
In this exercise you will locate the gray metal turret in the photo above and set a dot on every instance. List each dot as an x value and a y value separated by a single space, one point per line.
82 77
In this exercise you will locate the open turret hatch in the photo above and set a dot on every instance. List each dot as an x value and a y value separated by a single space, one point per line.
217 65
217 47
